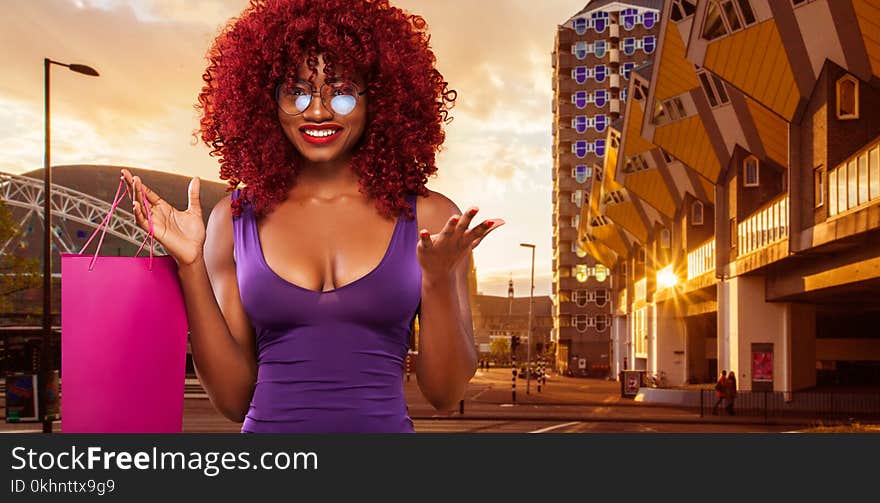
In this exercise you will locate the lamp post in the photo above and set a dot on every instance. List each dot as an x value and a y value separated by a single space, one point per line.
531 300
46 355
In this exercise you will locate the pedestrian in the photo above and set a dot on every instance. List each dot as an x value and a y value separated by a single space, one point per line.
325 118
730 391
720 389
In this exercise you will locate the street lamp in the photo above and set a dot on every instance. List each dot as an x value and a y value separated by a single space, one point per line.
531 300
46 357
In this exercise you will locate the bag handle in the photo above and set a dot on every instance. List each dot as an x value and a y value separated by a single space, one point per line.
150 220
105 223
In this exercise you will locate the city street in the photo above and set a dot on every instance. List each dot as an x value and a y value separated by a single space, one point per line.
565 405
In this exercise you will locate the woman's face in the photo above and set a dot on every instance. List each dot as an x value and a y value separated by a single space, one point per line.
325 129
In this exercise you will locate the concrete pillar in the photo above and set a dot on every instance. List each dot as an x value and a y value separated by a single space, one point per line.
752 320
670 343
652 338
788 330
631 339
619 347
616 357
727 309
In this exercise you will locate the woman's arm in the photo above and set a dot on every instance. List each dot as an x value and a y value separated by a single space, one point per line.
221 335
447 356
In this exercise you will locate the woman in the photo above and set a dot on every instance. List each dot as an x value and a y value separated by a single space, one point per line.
720 389
730 392
302 291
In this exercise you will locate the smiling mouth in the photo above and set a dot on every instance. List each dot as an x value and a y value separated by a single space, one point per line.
320 136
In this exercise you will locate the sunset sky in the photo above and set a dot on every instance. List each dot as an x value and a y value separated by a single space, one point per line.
150 53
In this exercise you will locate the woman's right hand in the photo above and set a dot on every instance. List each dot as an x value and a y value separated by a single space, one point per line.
181 233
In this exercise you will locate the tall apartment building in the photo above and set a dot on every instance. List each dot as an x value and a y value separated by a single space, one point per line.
594 55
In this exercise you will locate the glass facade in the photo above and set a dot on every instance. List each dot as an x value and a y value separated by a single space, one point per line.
855 182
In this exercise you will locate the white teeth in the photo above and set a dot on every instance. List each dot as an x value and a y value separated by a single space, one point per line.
319 133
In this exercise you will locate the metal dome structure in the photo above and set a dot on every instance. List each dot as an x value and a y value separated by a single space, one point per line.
26 193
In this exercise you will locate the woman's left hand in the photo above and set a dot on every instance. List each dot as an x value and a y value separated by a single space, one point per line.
439 254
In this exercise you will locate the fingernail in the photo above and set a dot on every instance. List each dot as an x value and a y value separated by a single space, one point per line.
454 221
474 211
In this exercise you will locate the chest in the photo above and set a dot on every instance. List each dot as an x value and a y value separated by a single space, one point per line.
370 280
322 252
328 269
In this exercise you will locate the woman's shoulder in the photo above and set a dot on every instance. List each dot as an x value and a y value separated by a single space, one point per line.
223 218
434 209
219 240
223 208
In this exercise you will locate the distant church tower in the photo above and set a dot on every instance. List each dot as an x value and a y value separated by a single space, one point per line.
510 295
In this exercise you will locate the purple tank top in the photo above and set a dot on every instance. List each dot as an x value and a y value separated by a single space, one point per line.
330 361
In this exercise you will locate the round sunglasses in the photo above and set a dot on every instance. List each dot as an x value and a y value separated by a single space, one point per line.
340 97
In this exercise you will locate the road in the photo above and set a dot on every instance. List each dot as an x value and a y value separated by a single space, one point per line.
564 405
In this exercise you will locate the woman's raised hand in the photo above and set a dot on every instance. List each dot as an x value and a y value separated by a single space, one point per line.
438 254
181 233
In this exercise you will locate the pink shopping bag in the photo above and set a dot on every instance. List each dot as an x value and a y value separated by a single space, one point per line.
123 340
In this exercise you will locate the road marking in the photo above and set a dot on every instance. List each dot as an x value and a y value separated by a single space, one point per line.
555 427
480 393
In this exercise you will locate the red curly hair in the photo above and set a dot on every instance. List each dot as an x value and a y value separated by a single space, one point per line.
407 107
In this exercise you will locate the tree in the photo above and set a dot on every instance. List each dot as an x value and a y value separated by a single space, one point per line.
17 273
500 349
